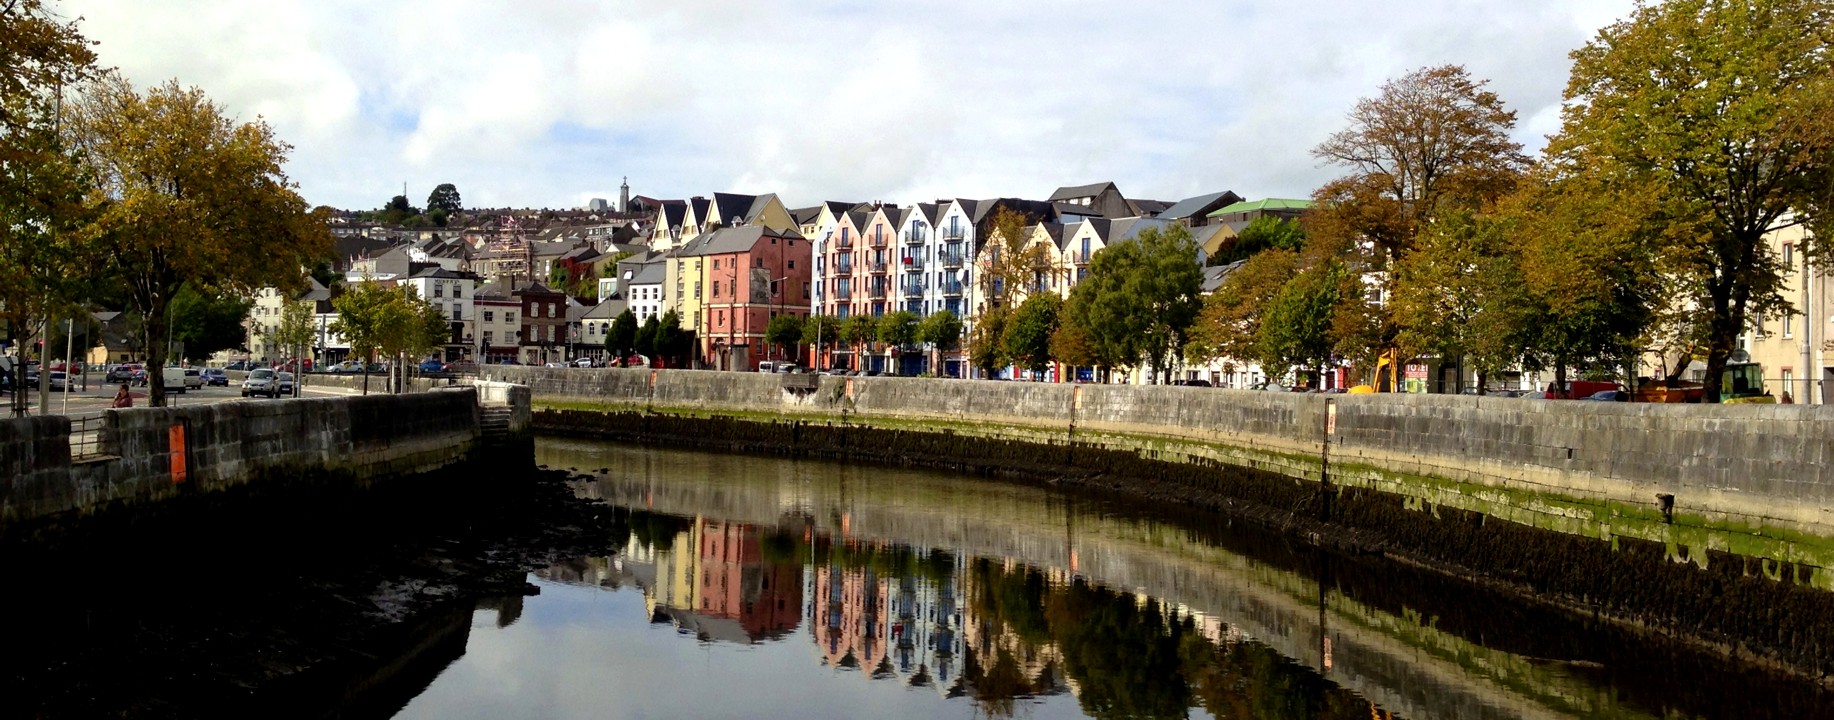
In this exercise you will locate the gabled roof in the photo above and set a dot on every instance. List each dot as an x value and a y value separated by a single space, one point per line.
1193 205
673 213
1069 232
605 310
804 216
1081 191
729 240
725 208
1266 204
758 204
649 274
931 212
697 209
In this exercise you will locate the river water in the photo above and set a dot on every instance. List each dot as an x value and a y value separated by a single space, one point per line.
749 587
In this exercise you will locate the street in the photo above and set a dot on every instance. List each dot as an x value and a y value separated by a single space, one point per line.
81 404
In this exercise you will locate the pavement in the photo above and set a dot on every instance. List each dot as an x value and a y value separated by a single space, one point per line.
80 404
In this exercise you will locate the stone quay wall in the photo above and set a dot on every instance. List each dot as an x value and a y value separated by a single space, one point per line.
146 455
1754 480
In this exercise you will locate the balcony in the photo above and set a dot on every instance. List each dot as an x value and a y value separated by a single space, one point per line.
912 290
911 262
952 260
876 292
843 295
952 289
916 237
1080 258
845 268
953 234
878 267
878 241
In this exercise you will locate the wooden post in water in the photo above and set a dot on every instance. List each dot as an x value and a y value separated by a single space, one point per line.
1324 459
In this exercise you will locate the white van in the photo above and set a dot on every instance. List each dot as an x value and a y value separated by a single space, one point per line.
767 367
175 379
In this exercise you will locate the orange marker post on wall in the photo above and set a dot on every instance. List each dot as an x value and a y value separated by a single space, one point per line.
175 441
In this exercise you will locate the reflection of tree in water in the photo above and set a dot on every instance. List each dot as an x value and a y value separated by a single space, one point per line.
657 531
1129 656
1241 680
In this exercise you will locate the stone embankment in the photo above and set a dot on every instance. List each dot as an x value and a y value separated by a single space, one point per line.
1751 480
134 457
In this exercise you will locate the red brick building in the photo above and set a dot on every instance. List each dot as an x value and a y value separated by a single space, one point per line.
752 274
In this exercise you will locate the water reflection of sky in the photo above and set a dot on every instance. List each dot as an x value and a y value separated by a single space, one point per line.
589 652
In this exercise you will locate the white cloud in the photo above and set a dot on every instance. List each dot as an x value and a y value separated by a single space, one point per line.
533 103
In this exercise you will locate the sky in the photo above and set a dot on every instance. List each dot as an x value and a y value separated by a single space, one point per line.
548 103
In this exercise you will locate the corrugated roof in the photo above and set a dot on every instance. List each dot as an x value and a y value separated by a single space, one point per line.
1266 204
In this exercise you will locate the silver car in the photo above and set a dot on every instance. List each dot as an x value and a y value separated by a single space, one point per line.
262 381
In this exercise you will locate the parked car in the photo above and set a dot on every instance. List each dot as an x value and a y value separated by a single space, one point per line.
194 379
584 363
215 377
1268 386
242 365
59 380
285 381
261 381
1608 396
767 367
124 372
556 365
1191 383
462 366
432 366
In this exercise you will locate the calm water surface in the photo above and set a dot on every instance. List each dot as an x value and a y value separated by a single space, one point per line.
745 587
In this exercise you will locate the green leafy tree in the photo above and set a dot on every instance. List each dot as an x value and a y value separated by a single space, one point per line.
821 331
1693 106
645 342
1005 259
77 335
205 323
1141 298
1028 334
185 195
856 332
987 341
445 197
784 331
398 211
1296 332
672 342
621 339
898 329
44 266
363 319
1459 295
1229 325
296 330
1264 233
942 331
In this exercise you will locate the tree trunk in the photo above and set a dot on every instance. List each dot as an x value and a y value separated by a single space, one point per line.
1560 375
366 360
158 331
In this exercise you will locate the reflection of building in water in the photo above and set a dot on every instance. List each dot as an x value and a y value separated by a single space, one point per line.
848 616
712 579
904 627
736 583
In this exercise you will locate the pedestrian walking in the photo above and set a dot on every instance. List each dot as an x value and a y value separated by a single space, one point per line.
123 399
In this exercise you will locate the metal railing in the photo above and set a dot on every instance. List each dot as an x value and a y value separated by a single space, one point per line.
913 289
878 267
86 436
876 293
952 289
953 233
914 238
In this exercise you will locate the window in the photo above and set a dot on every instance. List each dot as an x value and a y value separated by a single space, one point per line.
509 316
716 288
1789 325
490 316
1788 254
439 290
489 337
716 263
792 264
458 314
458 290
1789 379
